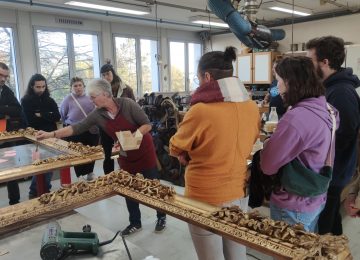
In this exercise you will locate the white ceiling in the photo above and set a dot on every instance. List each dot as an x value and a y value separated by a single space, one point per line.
178 15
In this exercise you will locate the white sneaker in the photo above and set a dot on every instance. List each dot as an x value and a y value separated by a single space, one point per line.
90 176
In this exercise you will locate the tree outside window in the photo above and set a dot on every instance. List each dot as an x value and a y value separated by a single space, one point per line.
149 67
126 60
7 56
55 57
177 61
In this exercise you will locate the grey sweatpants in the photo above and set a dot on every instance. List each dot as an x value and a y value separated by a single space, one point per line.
210 246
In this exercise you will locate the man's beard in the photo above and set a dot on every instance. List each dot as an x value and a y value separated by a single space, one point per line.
319 72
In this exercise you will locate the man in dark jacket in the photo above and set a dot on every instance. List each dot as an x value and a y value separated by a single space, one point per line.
10 110
328 54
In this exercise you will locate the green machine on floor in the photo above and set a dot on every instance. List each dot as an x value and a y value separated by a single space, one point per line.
57 244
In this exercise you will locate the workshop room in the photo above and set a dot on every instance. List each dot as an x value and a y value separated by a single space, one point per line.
179 129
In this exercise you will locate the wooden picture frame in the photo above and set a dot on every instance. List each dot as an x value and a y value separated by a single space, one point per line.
68 154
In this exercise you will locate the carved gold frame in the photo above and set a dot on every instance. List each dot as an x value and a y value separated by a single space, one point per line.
164 199
75 154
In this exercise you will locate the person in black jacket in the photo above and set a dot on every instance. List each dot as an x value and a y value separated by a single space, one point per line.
42 113
328 54
10 110
119 89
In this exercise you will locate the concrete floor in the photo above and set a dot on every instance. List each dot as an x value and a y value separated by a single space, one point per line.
108 216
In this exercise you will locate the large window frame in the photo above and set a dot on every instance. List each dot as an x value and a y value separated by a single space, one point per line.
70 47
17 69
186 51
138 89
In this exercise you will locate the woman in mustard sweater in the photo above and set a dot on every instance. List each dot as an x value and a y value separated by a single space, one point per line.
214 140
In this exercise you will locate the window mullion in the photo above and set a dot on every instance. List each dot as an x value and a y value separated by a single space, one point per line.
71 54
186 67
138 67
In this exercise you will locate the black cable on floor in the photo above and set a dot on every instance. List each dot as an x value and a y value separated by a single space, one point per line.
253 256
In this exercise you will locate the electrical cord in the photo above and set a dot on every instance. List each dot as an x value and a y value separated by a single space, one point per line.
253 256
123 239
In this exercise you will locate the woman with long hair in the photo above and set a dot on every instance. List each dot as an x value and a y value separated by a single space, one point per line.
42 113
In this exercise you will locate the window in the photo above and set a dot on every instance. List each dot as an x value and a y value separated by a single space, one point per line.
126 62
54 62
86 56
177 61
194 54
149 67
137 67
184 67
59 60
7 56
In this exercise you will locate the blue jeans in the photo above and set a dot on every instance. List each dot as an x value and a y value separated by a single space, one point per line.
308 219
48 186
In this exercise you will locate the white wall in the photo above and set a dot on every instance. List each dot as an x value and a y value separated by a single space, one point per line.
345 27
24 23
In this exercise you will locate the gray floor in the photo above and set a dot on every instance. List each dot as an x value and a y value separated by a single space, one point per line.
108 216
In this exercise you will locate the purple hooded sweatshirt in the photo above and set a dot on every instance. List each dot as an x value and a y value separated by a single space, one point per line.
304 132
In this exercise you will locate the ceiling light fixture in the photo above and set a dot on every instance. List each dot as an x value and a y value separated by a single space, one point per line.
287 8
127 9
290 11
205 21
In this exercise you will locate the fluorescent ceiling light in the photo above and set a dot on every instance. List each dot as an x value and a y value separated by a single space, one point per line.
211 23
129 10
287 8
205 21
290 11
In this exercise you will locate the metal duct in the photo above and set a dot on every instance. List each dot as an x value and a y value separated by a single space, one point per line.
248 32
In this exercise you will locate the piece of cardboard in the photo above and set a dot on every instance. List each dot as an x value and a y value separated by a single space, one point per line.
128 140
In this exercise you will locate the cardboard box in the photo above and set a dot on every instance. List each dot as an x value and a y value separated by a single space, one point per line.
129 141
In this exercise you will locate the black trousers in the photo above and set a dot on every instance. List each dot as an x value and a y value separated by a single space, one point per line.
12 186
85 138
107 143
13 192
330 218
133 206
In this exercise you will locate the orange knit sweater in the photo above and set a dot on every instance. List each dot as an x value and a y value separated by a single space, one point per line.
218 138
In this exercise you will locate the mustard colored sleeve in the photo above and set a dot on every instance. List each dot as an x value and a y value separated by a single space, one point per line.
185 136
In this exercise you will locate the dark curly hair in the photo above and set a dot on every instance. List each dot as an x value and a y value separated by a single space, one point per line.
31 84
300 78
218 63
328 47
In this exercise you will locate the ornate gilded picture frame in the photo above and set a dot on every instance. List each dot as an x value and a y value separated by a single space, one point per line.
21 155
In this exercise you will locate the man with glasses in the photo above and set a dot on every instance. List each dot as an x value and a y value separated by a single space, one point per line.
11 113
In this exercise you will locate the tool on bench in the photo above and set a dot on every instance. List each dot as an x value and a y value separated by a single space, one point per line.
57 244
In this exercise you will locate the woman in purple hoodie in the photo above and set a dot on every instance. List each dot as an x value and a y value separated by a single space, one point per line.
304 132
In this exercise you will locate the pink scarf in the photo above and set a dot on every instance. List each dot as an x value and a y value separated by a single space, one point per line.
222 90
